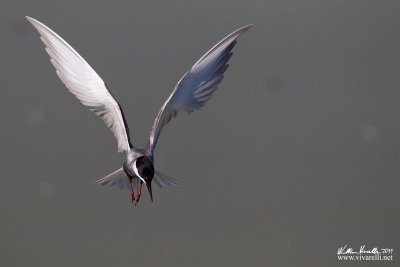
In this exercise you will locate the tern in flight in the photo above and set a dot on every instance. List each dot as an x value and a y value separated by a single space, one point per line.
190 93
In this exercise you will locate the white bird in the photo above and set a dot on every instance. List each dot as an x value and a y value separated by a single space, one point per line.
190 93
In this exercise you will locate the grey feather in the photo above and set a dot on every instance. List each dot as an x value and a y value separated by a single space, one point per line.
196 87
120 178
84 83
163 180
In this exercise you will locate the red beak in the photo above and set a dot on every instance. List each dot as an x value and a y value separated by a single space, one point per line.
150 191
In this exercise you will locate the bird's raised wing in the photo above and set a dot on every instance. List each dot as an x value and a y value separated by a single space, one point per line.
82 81
197 85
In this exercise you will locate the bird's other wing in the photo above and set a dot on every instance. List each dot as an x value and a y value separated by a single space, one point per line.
163 180
82 81
197 85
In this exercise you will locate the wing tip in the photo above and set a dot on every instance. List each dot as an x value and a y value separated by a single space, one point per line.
32 20
242 30
37 24
248 26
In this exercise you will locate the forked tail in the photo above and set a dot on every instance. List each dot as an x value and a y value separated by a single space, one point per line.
120 178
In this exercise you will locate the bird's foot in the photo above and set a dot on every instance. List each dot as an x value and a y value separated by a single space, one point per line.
132 191
139 193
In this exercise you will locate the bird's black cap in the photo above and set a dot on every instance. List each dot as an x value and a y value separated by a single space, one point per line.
145 168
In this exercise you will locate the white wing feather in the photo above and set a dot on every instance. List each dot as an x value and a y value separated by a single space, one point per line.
82 81
196 87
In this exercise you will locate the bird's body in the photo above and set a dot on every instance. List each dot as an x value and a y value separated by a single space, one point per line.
191 92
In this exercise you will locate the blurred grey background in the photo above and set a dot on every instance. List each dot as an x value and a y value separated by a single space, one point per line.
306 124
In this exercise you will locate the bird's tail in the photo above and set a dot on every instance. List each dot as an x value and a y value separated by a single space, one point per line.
119 177
163 180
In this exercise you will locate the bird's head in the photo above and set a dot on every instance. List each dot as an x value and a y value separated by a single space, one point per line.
144 169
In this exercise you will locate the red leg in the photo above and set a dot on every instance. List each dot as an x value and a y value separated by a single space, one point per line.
139 192
132 191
